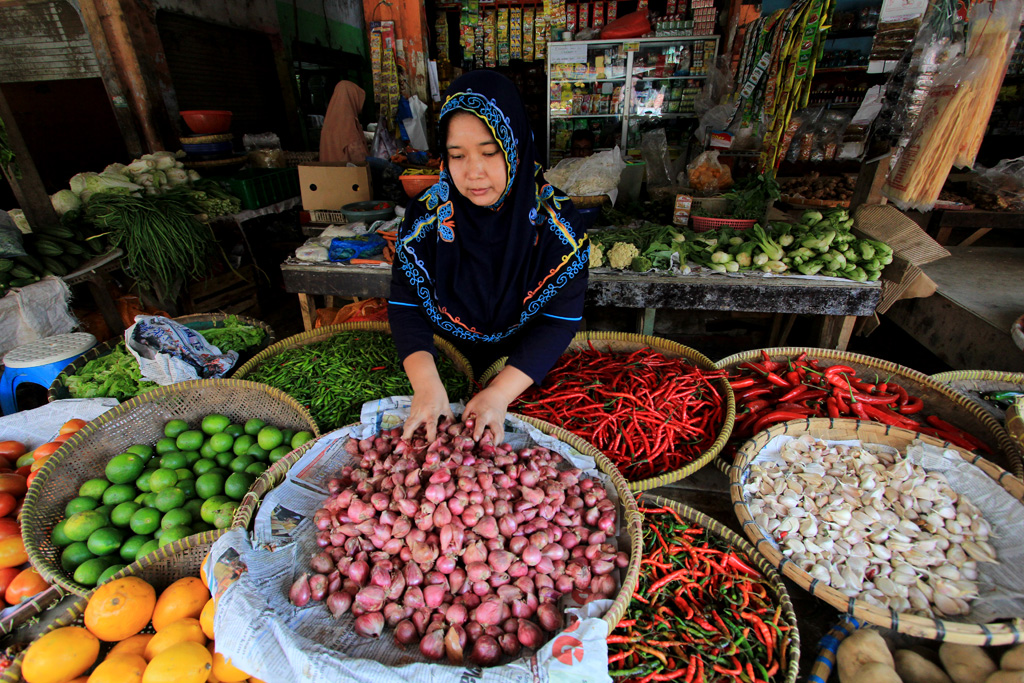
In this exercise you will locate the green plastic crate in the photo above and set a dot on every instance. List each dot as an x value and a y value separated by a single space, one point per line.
260 187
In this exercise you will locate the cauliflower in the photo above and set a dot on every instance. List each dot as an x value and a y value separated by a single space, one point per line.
641 264
596 256
622 254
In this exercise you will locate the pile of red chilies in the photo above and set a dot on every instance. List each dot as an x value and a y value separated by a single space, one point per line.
699 613
769 392
649 414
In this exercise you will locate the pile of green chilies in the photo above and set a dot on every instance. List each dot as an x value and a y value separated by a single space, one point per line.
700 612
334 377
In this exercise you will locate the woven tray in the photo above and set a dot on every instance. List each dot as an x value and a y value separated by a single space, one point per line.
160 568
791 646
200 321
938 398
868 432
140 420
973 383
627 343
631 516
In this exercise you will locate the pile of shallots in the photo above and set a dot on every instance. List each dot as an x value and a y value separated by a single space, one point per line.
462 546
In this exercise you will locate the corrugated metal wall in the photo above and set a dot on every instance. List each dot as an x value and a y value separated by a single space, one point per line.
44 41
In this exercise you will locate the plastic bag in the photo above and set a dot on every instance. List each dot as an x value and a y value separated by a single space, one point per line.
707 175
254 141
632 25
416 126
589 176
384 144
169 352
344 249
10 237
1005 180
654 150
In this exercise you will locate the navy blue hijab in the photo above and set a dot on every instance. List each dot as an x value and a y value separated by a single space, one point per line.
481 273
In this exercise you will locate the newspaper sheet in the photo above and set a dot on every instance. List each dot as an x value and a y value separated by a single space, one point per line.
38 426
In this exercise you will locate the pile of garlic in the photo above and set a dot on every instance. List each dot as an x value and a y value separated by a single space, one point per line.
872 525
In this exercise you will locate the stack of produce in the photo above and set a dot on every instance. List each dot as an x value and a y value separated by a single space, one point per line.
817 188
189 481
51 250
463 547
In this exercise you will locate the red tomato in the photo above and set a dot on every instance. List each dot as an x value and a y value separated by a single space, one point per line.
13 484
20 472
6 576
28 482
12 449
6 462
45 450
7 504
24 586
12 551
9 527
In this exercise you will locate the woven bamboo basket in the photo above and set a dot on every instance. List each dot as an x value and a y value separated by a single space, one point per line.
790 648
974 383
627 343
874 433
590 201
276 474
1015 424
201 321
829 646
140 420
160 569
939 399
32 607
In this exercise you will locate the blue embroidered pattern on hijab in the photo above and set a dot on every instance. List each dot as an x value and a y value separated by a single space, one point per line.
481 273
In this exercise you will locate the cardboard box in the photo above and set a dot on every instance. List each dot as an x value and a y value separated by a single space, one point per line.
328 186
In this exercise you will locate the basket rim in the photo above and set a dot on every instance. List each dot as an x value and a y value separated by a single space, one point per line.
981 375
659 344
996 633
33 536
759 562
1014 457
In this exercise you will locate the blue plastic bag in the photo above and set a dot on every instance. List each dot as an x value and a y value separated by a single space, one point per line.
344 249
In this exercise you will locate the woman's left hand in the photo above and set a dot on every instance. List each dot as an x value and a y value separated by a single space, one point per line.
488 408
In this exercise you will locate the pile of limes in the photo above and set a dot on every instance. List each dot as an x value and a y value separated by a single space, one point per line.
189 481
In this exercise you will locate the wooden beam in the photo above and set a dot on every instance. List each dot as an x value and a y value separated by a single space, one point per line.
868 189
28 189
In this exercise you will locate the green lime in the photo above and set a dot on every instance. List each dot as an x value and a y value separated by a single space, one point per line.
152 464
150 500
190 440
167 444
201 526
269 438
158 533
122 514
191 458
210 507
58 537
261 454
194 508
74 555
184 473
125 468
119 493
301 438
105 541
141 449
253 426
147 547
240 463
224 459
222 471
203 466
257 468
80 504
145 521
109 573
89 572
178 517
237 485
214 424
235 430
93 488
278 453
175 427
286 436
162 479
143 483
188 487
130 548
104 511
221 442
209 485
171 498
242 444
173 461
175 533
81 524
225 513
207 451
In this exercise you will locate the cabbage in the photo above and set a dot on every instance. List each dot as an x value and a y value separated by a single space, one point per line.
64 201
78 182
18 216
176 176
116 169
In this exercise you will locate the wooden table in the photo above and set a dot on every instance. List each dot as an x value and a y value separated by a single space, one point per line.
841 302
982 222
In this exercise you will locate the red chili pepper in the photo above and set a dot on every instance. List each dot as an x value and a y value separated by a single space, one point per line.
777 381
833 370
888 417
877 399
776 416
742 383
752 392
794 392
913 405
833 407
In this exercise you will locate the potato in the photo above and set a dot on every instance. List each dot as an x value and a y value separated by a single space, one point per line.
1006 677
1013 659
861 647
913 668
966 663
875 672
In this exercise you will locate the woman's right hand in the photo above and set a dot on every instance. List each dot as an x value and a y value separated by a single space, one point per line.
429 399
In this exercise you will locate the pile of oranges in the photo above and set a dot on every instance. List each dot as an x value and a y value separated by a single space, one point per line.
181 650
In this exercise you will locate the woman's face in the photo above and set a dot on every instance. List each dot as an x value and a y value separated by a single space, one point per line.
475 161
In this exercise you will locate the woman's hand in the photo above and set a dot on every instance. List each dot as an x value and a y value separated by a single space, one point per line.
488 408
429 398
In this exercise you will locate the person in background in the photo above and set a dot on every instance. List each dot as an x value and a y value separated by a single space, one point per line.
342 138
582 144
492 258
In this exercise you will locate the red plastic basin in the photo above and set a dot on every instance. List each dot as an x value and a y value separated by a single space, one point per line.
206 121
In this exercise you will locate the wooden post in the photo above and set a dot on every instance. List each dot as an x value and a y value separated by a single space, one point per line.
28 189
869 182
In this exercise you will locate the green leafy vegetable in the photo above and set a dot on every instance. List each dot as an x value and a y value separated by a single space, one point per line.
115 375
234 336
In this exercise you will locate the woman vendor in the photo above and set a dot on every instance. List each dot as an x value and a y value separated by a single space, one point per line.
491 257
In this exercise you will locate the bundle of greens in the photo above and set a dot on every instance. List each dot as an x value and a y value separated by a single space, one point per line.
213 200
115 375
748 198
234 336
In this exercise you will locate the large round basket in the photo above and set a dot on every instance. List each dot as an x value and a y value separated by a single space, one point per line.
590 201
789 647
631 519
620 342
939 399
974 383
1015 424
868 433
160 569
201 321
140 420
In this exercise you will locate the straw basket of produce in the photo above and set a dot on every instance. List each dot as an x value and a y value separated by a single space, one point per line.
709 587
781 384
889 525
333 370
659 411
160 467
993 390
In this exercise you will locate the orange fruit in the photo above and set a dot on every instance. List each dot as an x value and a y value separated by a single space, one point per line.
46 449
72 426
185 662
202 570
223 669
12 551
61 438
135 645
120 609
183 598
123 668
206 618
176 632
60 655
